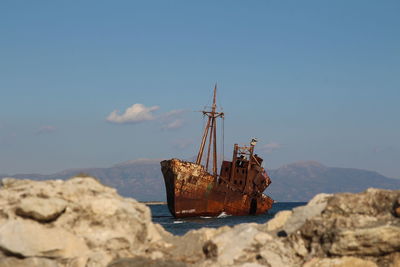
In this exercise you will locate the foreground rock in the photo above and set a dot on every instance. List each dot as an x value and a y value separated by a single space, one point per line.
80 222
41 209
331 230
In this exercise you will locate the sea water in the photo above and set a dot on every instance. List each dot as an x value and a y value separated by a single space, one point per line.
161 215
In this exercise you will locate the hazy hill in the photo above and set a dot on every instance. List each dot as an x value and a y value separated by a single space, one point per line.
142 179
301 181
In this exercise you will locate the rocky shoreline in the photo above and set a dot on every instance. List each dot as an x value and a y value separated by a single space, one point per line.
80 222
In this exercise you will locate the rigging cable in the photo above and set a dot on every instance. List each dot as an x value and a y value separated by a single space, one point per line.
204 126
223 137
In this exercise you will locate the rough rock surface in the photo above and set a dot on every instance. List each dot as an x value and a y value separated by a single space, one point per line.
304 213
331 230
41 209
77 222
29 239
15 262
80 222
340 262
279 220
355 224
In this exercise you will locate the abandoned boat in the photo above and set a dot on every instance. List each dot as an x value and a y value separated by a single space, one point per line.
192 190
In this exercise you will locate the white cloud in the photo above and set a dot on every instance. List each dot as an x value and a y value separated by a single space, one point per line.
270 147
175 124
134 114
139 113
172 120
182 143
46 129
173 113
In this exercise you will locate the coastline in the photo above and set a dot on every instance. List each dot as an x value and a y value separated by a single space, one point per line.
153 202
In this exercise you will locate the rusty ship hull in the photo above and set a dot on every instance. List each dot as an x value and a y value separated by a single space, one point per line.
192 191
195 190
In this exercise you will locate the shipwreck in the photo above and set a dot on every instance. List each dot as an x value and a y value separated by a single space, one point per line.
194 190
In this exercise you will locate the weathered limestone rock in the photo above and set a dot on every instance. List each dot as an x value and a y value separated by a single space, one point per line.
28 262
279 220
231 245
340 262
41 209
82 223
394 260
78 222
249 245
190 246
303 213
276 252
373 241
141 262
354 224
30 239
396 208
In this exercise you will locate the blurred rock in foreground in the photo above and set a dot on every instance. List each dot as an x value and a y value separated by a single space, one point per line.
80 222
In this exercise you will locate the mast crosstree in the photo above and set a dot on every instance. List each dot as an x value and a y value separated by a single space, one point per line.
210 132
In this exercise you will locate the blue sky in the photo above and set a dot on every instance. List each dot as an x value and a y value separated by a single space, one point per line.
313 80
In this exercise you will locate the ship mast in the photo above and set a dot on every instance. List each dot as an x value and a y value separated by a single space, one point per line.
210 132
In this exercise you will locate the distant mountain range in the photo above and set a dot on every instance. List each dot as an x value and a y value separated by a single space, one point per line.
142 180
302 180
